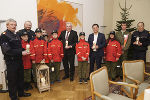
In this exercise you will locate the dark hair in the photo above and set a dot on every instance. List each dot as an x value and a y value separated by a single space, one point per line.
110 38
141 23
123 23
95 25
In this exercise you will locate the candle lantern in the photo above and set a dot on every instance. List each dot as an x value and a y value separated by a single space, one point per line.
43 79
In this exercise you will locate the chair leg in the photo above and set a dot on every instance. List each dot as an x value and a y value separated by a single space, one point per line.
121 91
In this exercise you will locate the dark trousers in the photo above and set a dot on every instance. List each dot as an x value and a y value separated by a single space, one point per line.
15 76
82 69
122 58
69 59
55 75
112 69
139 55
95 57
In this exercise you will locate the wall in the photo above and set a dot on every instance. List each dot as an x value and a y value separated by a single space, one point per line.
139 11
20 10
93 12
108 16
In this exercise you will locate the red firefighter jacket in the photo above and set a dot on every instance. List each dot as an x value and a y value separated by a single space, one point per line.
46 58
82 50
55 50
38 50
26 59
112 51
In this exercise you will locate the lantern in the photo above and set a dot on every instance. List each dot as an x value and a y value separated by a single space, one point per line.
43 79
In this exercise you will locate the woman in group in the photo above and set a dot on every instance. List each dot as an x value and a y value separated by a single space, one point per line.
112 54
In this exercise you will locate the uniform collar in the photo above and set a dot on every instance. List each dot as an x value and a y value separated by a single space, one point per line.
55 39
82 40
40 38
142 31
27 30
24 41
10 31
97 33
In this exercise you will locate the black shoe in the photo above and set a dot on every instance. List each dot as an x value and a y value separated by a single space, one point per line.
3 91
71 79
59 81
85 81
80 80
30 87
25 95
15 99
65 77
26 89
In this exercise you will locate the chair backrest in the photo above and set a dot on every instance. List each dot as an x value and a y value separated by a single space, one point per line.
99 81
134 69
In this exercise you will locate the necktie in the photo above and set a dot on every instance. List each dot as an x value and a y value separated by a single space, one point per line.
67 35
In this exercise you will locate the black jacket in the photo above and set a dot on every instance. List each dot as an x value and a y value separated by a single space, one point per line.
31 33
11 45
144 38
101 41
72 40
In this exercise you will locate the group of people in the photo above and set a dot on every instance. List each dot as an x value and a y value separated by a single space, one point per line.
124 45
25 50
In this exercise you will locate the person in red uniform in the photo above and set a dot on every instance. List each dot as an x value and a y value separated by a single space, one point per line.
112 54
38 52
82 51
55 54
26 61
46 38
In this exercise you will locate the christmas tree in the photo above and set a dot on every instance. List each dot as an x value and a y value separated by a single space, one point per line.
125 19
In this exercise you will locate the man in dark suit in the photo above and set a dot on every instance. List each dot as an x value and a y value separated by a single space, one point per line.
97 42
69 39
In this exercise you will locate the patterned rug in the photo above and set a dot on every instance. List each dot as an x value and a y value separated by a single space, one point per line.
113 89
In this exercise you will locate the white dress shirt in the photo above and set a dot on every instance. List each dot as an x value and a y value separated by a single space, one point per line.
95 37
66 34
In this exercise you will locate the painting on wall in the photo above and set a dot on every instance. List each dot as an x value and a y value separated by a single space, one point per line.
53 15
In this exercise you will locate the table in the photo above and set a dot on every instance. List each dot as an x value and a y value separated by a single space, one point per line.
141 96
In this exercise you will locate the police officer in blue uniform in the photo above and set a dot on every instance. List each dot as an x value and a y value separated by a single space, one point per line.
12 50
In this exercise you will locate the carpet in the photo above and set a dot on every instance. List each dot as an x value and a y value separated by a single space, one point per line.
113 89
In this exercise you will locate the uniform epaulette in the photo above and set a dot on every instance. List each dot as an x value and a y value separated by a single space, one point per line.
4 33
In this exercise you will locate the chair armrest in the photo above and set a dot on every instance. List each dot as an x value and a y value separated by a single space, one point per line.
132 79
124 84
147 73
102 96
